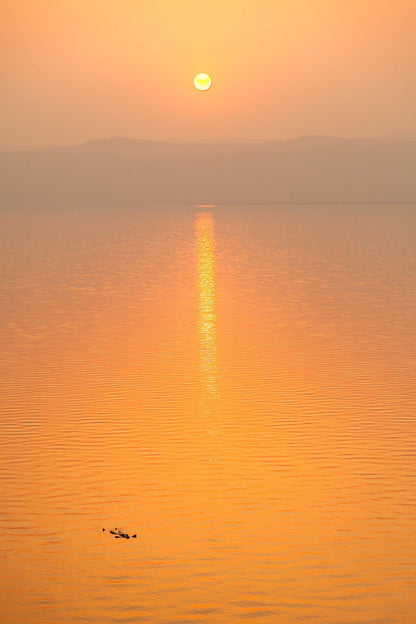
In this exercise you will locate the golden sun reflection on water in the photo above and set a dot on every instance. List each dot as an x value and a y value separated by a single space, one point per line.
207 319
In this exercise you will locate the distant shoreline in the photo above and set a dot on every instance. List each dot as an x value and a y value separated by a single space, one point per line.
307 171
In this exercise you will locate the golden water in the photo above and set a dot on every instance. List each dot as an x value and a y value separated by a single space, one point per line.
237 386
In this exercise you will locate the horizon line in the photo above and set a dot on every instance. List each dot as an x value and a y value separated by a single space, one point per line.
395 137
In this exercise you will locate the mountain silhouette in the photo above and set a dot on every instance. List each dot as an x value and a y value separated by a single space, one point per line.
305 170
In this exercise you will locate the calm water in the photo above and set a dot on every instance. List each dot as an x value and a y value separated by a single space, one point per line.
237 386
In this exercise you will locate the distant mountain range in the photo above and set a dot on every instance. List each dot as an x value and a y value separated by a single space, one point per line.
305 170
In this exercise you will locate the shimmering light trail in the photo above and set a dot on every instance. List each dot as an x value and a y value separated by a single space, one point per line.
207 323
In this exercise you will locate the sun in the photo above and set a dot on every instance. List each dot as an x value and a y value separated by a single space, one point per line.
202 82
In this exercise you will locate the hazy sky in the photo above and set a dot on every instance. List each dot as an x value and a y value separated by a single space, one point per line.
73 70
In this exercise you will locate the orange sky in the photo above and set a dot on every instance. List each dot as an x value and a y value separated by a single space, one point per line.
73 70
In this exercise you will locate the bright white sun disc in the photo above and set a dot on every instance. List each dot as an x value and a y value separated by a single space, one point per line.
202 82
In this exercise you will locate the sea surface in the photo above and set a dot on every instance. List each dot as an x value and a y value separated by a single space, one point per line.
235 385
